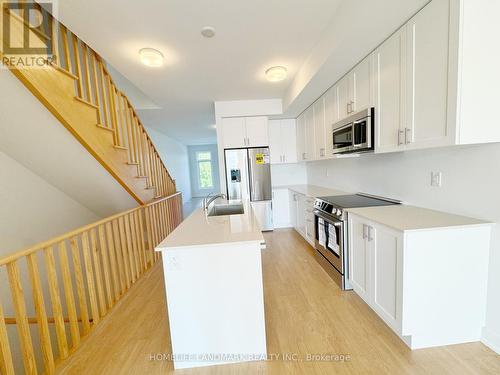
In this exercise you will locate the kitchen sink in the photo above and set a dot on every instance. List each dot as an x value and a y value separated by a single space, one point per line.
226 209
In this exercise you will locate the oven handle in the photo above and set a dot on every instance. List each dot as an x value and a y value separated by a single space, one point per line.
330 220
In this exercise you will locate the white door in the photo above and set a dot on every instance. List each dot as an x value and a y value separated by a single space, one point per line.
233 132
301 214
362 90
292 199
281 208
331 117
359 257
344 96
275 142
385 245
309 125
289 140
427 76
257 131
301 137
319 128
389 67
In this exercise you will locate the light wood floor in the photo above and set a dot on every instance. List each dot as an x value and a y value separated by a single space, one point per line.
305 313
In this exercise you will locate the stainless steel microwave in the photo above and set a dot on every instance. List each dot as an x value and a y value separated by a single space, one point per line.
355 133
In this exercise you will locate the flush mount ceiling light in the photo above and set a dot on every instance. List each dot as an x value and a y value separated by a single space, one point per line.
151 57
208 32
276 73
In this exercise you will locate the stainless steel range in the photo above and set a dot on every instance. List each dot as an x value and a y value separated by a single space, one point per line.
330 221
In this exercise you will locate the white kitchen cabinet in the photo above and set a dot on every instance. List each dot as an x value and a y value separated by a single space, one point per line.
281 208
309 130
283 141
344 96
301 214
331 117
389 134
414 278
309 215
240 132
319 129
292 207
301 137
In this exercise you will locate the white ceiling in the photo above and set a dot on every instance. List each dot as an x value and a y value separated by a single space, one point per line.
251 36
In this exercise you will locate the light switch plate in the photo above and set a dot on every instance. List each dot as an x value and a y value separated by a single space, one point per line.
436 179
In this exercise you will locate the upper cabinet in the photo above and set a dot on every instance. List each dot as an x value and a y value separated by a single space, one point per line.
301 137
319 129
282 141
240 132
331 117
309 129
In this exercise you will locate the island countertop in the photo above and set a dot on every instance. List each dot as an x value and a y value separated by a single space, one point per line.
201 230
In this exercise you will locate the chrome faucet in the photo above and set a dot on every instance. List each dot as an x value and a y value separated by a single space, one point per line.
210 198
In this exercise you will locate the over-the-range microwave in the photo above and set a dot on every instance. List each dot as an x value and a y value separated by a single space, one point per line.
355 133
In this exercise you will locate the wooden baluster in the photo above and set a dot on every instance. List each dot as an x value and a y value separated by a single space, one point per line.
163 220
97 101
6 364
80 285
41 314
149 230
124 249
89 272
149 169
122 123
115 272
128 125
55 297
94 252
119 257
105 265
141 214
78 69
142 169
135 142
106 115
140 248
67 54
86 73
133 237
156 226
130 248
55 41
70 297
22 324
112 109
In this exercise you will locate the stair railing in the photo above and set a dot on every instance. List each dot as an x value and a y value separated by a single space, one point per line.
84 273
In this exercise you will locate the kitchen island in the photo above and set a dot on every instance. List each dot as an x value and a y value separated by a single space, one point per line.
213 281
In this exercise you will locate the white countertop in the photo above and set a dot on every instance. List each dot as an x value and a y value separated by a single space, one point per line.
312 191
411 218
200 230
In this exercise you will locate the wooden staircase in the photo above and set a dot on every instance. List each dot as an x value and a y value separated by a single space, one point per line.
78 90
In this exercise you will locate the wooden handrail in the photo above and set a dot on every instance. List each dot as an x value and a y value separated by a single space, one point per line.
95 87
90 268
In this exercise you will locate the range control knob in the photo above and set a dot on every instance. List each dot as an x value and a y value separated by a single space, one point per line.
339 212
333 210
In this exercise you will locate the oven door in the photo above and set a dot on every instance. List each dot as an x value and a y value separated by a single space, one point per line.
343 139
330 239
362 138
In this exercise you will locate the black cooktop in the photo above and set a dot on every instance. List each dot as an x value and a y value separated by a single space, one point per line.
356 200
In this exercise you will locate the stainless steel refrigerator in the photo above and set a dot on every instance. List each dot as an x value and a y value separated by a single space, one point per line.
248 177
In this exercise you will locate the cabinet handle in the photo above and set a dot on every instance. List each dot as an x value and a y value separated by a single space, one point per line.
352 105
400 134
364 231
322 152
408 136
370 237
303 156
349 107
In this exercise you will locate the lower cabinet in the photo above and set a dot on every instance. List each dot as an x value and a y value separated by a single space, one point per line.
281 208
301 215
419 282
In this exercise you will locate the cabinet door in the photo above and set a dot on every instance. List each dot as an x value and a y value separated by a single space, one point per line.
292 199
289 140
331 117
275 142
281 208
301 214
319 128
361 95
427 76
359 257
257 132
301 137
233 132
344 96
385 245
389 115
309 125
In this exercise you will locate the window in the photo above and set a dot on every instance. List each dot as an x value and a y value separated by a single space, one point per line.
204 161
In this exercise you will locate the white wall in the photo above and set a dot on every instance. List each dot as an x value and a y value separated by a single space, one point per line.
288 174
175 156
470 186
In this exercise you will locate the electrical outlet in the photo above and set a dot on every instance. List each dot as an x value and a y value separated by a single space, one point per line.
174 262
436 179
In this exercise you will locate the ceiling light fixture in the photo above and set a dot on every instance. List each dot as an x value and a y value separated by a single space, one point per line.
276 73
151 57
208 32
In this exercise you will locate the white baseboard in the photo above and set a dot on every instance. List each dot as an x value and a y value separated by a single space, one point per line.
491 339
